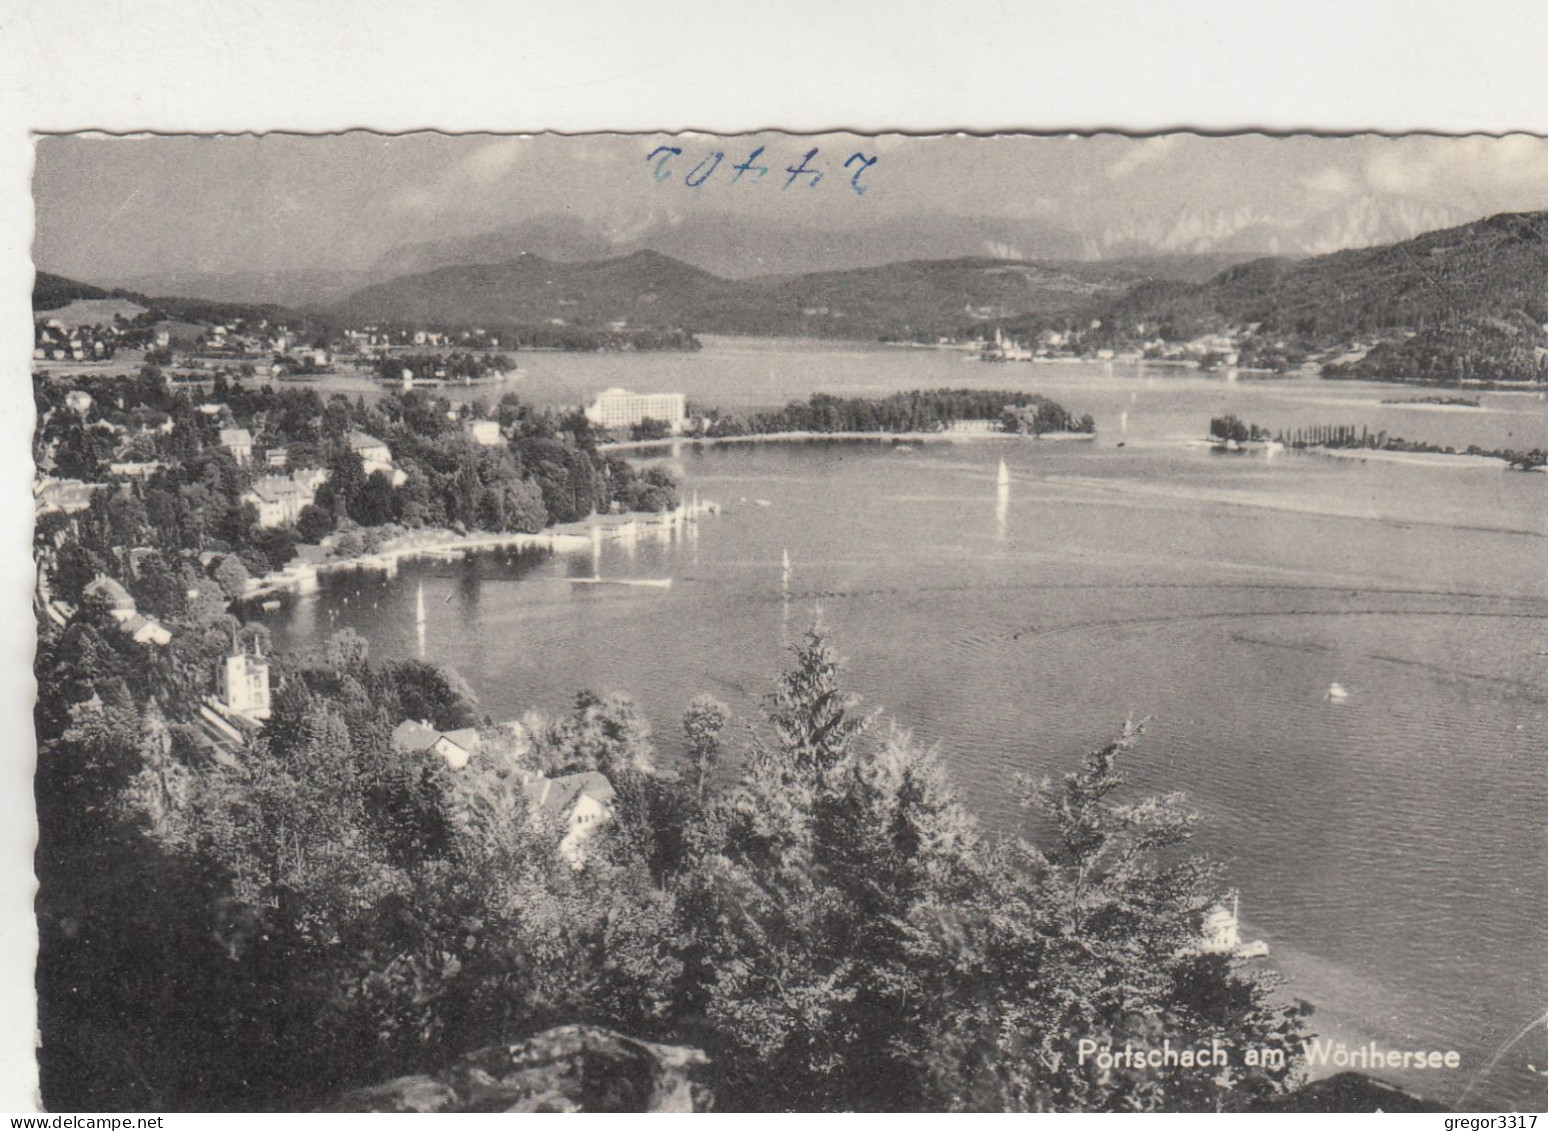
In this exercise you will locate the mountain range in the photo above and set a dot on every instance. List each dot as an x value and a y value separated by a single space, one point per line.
741 247
746 247
1247 233
651 289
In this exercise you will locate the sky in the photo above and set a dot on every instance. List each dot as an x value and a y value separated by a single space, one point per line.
111 207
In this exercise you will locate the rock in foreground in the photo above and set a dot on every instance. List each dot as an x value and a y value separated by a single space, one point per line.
570 1068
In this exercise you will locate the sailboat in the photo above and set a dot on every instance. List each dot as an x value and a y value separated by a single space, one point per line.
419 619
785 575
1002 502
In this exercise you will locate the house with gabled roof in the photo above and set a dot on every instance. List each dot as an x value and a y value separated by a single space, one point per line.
280 499
141 629
376 456
580 803
455 746
120 603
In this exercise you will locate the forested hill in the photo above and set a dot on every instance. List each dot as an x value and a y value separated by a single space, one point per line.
918 299
1464 303
1494 269
644 288
50 292
54 292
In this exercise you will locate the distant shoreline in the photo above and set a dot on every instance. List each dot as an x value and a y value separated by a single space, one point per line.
810 437
1379 455
1424 459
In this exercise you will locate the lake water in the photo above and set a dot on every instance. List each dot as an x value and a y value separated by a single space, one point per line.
1391 847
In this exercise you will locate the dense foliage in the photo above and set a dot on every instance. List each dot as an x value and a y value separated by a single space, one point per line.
464 365
920 411
1233 429
832 926
1466 352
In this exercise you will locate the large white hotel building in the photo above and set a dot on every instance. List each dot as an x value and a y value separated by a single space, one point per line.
620 408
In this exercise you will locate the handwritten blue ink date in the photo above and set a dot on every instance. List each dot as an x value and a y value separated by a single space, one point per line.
665 160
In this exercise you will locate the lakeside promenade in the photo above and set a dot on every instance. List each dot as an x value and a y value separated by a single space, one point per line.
570 537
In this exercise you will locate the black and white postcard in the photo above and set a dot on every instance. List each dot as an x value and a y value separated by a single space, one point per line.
790 621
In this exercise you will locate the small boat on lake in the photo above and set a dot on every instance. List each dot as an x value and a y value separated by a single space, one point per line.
637 582
1337 692
1004 479
1223 933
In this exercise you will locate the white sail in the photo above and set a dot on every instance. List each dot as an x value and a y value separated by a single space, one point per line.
419 620
1004 479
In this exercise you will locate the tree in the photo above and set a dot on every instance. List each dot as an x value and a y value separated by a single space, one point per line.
314 523
810 714
158 591
346 477
603 733
231 575
277 545
349 544
702 725
523 507
348 651
650 429
808 902
80 453
854 943
1105 920
75 567
372 503
433 694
